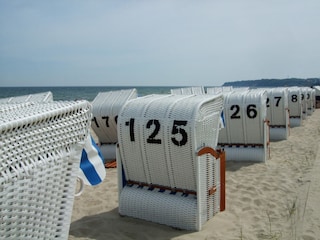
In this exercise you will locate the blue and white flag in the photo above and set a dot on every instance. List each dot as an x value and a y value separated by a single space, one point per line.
222 122
92 169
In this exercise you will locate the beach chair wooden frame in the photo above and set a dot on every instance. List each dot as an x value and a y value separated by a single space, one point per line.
40 153
175 177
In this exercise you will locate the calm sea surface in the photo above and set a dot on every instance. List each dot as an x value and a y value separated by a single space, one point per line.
76 93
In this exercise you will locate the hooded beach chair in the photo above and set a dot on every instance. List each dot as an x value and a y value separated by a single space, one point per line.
105 109
278 113
245 136
41 146
304 102
170 171
218 90
310 96
36 97
198 90
295 106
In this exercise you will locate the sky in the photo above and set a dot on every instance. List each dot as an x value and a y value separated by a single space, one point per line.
156 43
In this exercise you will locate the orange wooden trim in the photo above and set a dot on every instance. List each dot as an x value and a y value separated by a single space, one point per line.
241 144
212 190
218 154
112 164
161 187
277 126
208 150
222 180
268 140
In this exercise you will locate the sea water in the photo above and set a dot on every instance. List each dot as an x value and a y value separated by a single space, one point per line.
77 93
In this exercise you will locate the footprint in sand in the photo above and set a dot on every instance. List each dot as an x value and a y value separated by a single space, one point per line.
307 237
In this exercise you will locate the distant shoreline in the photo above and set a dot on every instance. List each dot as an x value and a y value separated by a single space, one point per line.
286 82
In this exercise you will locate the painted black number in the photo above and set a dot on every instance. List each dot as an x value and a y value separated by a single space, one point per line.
107 120
95 121
251 111
180 136
278 101
236 109
131 127
294 98
156 124
176 129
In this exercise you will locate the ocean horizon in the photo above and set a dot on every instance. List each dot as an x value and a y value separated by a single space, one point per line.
88 93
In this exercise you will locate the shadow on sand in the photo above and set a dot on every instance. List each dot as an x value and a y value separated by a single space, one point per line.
110 225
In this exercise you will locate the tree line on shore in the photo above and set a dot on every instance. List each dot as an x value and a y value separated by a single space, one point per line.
287 82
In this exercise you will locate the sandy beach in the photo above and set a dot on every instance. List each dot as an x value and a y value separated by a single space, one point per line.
278 199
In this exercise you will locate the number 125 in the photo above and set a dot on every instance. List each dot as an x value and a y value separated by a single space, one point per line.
179 134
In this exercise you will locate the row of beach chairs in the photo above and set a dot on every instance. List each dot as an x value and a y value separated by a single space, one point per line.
152 162
170 151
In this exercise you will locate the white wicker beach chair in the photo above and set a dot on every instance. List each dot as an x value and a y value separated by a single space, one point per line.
295 106
304 102
310 95
278 113
105 109
313 100
218 90
40 151
317 96
199 90
36 97
246 133
168 170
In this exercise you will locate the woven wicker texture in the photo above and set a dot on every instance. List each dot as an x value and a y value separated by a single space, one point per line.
105 109
245 113
37 97
278 113
40 152
245 123
159 136
217 90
